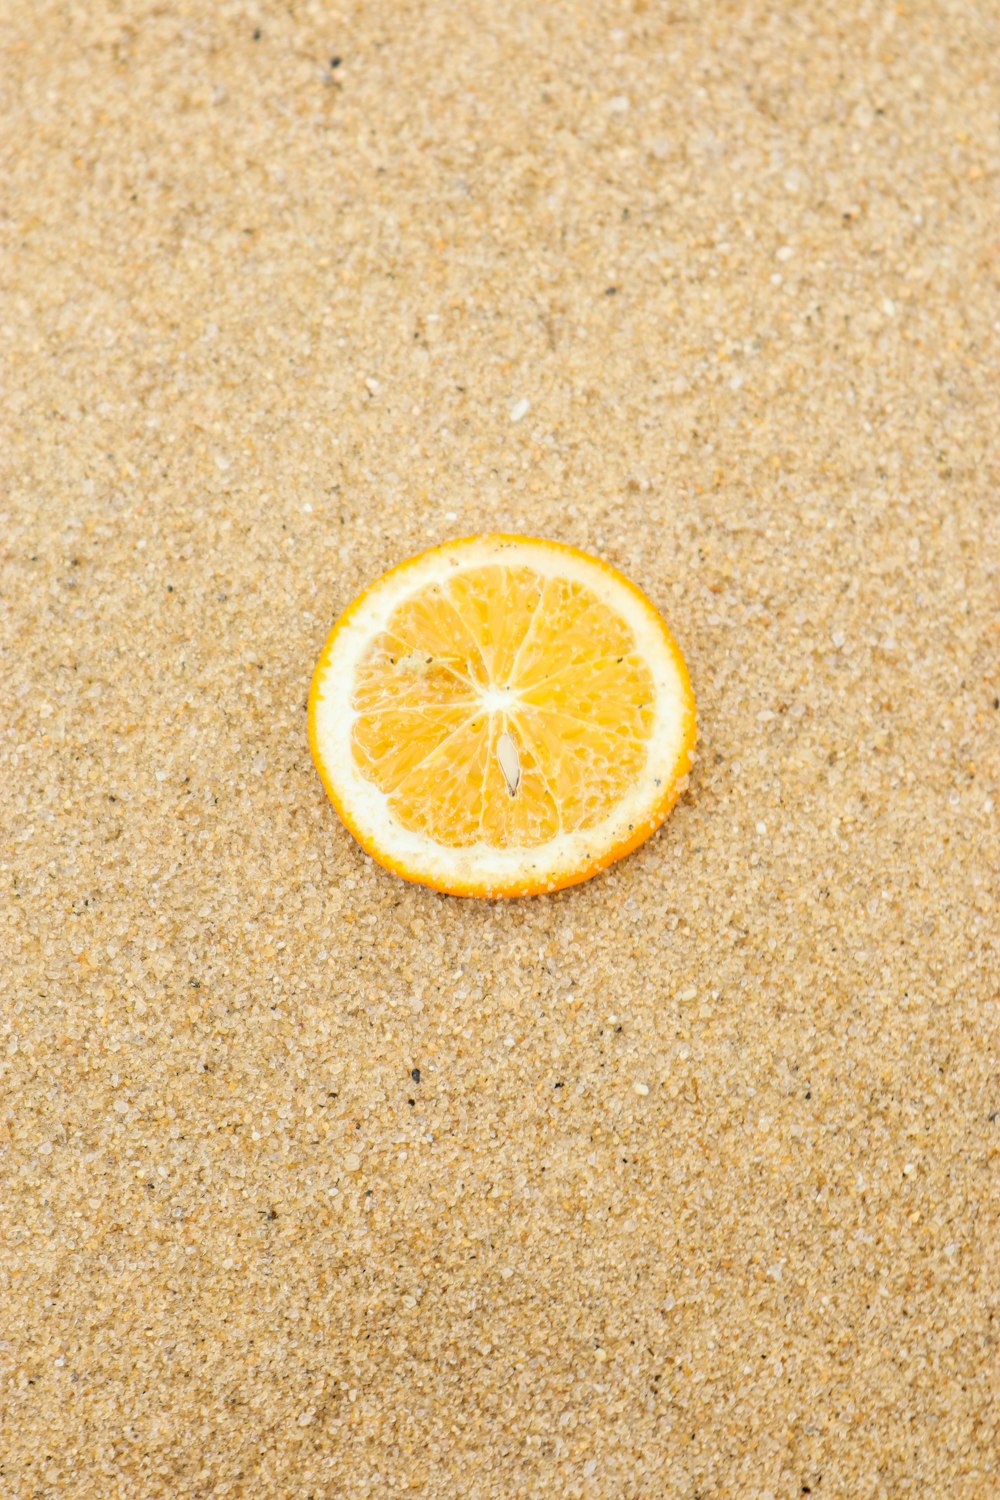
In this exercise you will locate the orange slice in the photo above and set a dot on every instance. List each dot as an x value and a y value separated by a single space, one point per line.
501 716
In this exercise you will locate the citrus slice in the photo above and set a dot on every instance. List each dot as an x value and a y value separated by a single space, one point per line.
501 716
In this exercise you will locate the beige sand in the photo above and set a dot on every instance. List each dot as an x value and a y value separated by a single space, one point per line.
265 324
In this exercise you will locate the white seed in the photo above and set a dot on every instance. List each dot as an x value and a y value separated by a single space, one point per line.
510 761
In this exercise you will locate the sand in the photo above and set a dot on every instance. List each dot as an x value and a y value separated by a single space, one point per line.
682 1183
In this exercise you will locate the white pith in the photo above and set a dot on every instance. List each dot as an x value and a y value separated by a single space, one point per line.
481 866
497 700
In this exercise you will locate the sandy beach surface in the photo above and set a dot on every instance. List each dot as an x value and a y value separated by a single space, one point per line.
683 1183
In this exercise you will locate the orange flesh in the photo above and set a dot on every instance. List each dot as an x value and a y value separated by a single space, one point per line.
501 650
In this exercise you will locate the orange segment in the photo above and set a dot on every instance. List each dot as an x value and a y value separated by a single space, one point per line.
497 604
396 675
440 797
572 625
591 766
389 745
430 624
501 716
